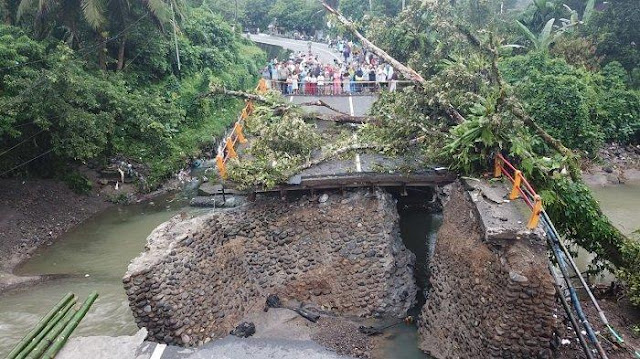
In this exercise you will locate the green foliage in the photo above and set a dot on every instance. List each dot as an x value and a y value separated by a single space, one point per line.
77 182
618 108
580 108
301 15
617 31
54 101
546 37
577 51
280 145
475 140
357 9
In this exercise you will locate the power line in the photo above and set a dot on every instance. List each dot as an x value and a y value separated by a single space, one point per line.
82 53
9 150
89 48
25 163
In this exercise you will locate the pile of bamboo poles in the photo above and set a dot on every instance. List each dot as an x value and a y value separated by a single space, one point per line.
52 331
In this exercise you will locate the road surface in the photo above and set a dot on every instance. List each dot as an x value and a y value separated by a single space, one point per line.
325 54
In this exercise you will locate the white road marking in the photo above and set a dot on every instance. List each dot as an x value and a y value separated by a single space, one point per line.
291 99
157 352
351 110
357 159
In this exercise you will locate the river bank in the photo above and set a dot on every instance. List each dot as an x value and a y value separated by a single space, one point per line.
615 165
36 212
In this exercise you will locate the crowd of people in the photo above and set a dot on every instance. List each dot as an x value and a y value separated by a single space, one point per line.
304 74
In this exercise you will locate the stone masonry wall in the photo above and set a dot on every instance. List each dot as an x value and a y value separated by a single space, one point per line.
490 299
199 277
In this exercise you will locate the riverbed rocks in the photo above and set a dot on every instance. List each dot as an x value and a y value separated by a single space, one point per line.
492 296
199 277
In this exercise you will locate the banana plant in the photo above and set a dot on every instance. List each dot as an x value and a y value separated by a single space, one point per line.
574 19
545 38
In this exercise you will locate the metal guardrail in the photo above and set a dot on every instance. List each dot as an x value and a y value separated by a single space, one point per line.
329 88
227 149
522 188
528 194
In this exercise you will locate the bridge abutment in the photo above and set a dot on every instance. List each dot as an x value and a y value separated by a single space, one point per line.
492 295
200 277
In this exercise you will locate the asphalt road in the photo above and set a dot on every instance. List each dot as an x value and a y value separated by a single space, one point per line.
325 54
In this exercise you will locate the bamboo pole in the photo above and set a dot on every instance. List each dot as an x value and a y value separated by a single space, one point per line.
41 324
70 327
46 330
48 339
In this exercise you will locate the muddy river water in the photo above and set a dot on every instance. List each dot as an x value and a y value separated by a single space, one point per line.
96 254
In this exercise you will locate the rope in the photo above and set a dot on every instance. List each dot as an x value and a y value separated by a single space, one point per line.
24 163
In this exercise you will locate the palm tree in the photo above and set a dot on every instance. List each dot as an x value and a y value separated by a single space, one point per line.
97 14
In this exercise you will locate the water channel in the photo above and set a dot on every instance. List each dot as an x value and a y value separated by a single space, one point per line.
96 253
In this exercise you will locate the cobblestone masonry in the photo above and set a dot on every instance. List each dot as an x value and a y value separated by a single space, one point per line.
488 300
199 277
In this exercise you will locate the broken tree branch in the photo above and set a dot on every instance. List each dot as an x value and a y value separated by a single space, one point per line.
515 108
280 109
406 71
321 103
342 118
332 154
245 95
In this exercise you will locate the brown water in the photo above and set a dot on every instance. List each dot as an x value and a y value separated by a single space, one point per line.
96 254
621 204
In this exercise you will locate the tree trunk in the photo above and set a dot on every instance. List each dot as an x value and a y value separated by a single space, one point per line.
102 51
406 71
121 48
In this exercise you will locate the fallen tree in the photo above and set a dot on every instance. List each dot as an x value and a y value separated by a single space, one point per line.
280 108
451 111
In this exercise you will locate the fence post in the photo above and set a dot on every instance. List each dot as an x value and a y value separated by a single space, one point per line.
262 86
239 133
221 168
232 153
517 180
497 170
249 107
535 213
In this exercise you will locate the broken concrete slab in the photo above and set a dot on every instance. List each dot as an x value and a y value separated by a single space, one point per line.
501 218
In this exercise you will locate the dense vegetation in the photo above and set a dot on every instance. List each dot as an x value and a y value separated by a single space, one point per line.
86 82
89 87
522 79
507 71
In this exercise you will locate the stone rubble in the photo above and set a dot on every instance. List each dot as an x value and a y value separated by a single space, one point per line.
199 277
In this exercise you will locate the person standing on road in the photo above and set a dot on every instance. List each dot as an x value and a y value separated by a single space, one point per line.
321 84
337 83
303 81
289 89
394 82
372 79
313 84
294 84
346 53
